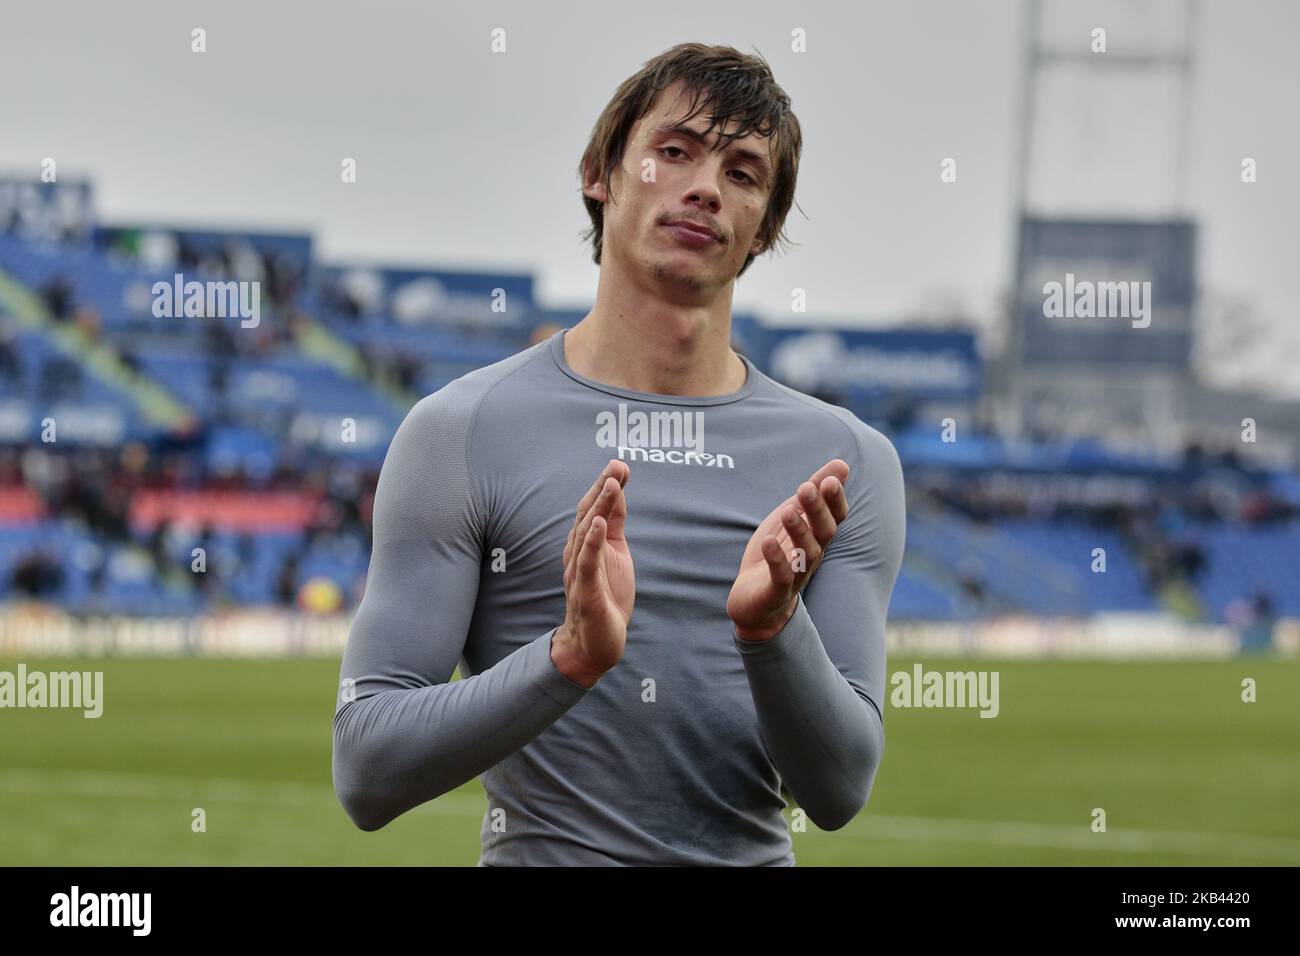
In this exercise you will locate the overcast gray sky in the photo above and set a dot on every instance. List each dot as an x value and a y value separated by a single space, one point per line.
467 158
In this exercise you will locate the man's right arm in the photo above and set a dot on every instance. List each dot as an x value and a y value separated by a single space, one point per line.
403 733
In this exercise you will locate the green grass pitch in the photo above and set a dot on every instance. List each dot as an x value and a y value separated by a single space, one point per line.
1187 773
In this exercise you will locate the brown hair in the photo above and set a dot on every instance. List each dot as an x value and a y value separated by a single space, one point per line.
732 86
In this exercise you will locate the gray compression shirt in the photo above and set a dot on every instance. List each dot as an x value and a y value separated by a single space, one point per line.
678 754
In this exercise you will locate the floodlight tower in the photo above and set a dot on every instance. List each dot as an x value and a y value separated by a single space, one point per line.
1111 204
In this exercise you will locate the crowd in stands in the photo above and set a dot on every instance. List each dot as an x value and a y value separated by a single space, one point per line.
94 490
95 493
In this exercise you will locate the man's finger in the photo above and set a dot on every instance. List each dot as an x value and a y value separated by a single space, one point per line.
614 467
777 563
835 498
836 466
802 537
601 507
589 556
819 515
617 508
618 469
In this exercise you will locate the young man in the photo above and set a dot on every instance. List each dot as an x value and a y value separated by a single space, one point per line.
647 715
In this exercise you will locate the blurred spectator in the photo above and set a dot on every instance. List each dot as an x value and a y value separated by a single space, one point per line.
320 595
37 575
10 367
57 295
286 583
901 413
129 360
973 589
1257 635
87 320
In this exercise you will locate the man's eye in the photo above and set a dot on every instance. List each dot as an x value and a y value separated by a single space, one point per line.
748 178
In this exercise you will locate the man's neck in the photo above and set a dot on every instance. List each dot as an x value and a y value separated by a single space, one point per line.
659 348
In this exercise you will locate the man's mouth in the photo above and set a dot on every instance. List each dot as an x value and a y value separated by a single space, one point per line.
693 231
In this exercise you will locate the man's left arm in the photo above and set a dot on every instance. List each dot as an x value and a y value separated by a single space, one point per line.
818 683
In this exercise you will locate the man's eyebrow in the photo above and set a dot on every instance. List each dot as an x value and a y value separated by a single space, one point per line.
748 154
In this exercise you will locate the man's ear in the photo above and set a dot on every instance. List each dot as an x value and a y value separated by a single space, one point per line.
594 188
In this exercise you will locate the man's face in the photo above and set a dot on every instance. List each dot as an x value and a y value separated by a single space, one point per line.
667 176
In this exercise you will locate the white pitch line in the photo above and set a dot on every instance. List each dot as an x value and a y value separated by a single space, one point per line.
1065 836
100 783
866 826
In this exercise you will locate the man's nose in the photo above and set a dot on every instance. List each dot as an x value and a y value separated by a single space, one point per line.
707 198
704 189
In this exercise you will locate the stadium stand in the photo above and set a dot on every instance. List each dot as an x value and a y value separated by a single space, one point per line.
259 448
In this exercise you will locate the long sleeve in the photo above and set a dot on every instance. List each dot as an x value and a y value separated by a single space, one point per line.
402 733
818 685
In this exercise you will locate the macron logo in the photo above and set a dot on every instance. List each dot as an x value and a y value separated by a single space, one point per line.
673 438
102 909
